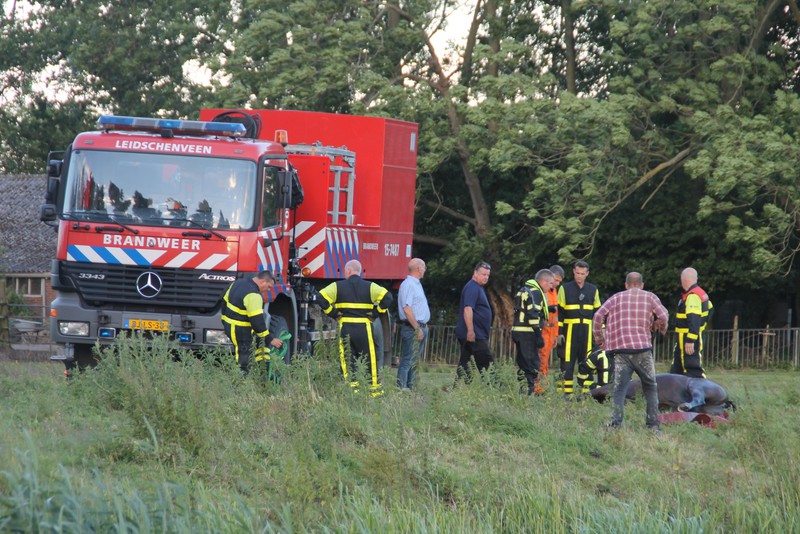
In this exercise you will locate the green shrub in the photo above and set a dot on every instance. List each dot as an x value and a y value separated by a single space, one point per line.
17 307
176 403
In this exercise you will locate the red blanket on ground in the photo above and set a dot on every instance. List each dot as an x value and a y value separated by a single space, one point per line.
704 419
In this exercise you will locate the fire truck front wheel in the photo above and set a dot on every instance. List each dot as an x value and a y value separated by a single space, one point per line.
277 326
82 358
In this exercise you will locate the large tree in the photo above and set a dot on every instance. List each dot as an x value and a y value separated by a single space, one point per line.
703 91
544 133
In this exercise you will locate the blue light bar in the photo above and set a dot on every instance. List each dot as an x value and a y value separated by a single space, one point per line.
178 127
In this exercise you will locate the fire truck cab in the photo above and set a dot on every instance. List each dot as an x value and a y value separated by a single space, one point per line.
157 217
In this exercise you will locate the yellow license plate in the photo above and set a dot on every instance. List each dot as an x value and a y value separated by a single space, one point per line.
147 324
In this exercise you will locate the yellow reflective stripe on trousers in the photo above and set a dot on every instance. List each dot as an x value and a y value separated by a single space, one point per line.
568 344
568 341
364 320
685 315
342 359
372 355
577 321
354 305
373 359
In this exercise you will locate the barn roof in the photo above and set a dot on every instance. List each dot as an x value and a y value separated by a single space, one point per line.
26 244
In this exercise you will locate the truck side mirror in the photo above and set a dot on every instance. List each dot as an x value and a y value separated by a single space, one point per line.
291 192
49 211
285 189
51 194
54 168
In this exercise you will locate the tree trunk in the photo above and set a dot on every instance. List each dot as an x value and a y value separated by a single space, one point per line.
503 306
569 45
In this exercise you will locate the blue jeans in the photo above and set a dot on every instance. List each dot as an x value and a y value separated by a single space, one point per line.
410 354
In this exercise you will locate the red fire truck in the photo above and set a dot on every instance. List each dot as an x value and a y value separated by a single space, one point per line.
157 217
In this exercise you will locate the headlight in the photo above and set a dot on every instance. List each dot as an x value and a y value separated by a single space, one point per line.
70 328
216 337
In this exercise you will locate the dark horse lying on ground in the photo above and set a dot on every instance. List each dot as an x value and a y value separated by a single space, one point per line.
680 393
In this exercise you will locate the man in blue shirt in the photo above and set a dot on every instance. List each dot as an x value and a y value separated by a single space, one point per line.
414 313
474 323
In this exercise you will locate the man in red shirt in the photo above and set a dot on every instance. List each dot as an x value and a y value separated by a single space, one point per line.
629 317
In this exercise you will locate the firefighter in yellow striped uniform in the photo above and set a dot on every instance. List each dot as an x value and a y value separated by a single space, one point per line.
243 316
353 302
577 302
694 310
596 365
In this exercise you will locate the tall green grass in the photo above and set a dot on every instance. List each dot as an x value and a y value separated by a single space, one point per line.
155 440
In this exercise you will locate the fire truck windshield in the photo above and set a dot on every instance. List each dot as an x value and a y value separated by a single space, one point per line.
161 189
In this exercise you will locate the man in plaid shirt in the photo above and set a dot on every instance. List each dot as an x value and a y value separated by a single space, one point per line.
629 318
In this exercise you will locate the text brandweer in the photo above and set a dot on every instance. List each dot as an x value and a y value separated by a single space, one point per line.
151 242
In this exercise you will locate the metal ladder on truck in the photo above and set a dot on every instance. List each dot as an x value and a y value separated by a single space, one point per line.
343 167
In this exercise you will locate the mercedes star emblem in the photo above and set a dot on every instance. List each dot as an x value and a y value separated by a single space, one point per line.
149 284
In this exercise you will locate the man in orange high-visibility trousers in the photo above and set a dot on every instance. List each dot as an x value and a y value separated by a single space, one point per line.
550 329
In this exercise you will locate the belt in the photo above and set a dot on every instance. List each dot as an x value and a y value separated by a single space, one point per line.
405 322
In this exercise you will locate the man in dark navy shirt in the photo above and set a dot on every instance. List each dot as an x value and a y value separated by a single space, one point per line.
474 323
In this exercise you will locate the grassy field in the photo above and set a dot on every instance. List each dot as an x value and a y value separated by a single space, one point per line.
145 443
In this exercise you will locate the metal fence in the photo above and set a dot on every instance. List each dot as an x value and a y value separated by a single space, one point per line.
29 328
753 348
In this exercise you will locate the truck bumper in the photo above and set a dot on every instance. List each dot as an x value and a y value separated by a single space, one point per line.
72 323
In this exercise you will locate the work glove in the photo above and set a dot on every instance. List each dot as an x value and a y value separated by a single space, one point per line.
560 341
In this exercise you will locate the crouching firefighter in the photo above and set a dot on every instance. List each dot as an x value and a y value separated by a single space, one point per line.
243 316
353 302
595 370
530 313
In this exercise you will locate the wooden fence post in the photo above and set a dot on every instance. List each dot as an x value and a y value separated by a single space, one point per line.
765 345
735 342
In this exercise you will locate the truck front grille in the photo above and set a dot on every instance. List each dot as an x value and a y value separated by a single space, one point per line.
114 287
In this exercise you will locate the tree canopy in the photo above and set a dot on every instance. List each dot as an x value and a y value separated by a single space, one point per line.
646 135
